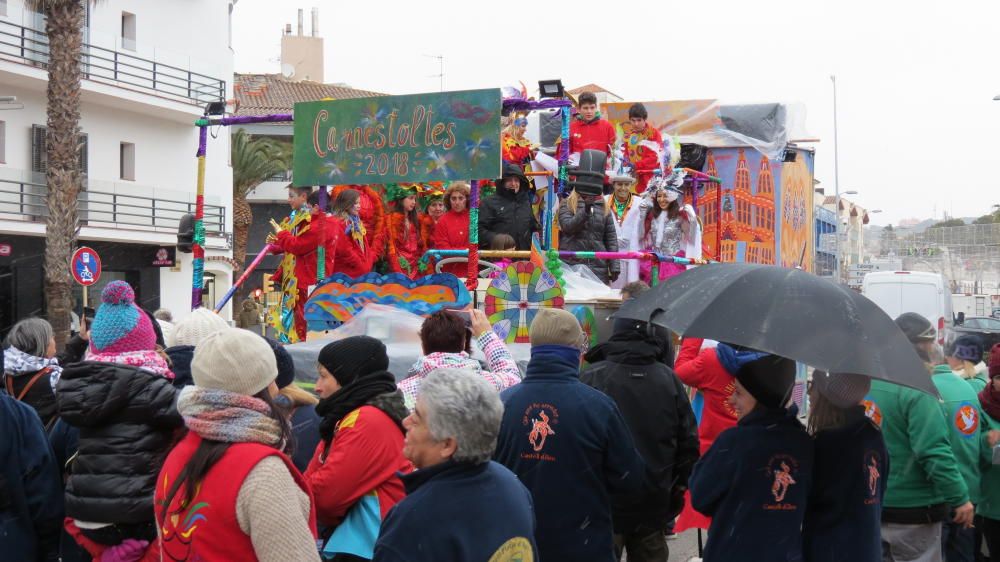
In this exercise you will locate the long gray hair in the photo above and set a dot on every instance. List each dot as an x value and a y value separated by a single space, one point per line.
31 336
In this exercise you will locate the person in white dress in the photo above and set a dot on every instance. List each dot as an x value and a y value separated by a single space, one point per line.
623 205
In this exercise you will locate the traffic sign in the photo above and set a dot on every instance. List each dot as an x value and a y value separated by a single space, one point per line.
6 250
86 266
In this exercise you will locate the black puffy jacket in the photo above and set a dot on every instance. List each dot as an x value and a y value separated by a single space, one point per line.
127 418
509 213
589 229
661 421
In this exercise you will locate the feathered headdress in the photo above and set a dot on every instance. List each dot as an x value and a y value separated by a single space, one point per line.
398 191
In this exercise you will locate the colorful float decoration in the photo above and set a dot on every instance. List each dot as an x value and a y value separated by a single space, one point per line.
514 297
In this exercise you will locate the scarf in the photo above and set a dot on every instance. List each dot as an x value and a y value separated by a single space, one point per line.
732 359
350 398
17 362
147 360
990 399
356 229
229 417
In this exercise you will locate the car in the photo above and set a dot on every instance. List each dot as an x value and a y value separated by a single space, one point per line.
988 329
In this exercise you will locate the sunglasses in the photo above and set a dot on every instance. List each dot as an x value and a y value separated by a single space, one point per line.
521 122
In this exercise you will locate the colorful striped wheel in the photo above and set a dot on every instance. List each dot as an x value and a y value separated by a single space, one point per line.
515 296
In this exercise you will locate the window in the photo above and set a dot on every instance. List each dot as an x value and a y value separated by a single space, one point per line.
991 324
128 31
127 161
40 156
3 7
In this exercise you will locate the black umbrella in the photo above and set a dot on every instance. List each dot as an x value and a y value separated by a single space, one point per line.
787 312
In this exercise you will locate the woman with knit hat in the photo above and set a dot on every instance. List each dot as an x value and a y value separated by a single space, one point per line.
988 508
185 336
122 401
965 357
843 518
227 491
755 479
361 448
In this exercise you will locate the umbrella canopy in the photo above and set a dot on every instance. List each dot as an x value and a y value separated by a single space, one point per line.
787 312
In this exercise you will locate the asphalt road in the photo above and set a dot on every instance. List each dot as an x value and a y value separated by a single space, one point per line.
684 547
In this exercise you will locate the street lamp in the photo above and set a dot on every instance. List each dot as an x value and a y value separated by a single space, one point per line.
836 180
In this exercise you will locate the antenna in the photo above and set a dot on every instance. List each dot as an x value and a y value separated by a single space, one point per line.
288 71
440 75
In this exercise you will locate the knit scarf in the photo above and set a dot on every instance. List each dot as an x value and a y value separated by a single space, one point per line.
732 359
147 360
990 399
17 362
351 397
356 229
229 417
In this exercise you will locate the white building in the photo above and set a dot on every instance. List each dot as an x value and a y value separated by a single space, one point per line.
149 68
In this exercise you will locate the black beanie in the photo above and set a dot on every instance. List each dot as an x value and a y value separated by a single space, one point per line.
769 380
352 357
286 365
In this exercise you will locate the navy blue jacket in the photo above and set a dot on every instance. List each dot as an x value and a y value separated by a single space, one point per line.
754 482
844 514
305 429
31 499
459 511
180 363
570 446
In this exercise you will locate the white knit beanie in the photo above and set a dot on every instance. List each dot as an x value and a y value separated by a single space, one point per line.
234 360
200 324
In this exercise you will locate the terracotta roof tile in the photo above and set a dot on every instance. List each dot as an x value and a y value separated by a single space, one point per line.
592 88
266 94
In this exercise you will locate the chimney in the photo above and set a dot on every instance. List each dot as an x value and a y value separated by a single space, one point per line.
300 22
315 22
288 29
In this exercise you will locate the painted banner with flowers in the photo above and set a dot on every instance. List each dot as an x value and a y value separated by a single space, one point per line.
389 139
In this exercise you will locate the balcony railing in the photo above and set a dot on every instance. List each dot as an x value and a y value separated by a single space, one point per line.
100 209
30 46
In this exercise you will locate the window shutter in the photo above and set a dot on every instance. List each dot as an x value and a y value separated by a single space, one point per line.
39 156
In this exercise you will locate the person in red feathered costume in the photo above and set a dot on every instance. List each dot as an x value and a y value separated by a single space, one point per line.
371 210
711 371
643 146
406 246
352 255
452 230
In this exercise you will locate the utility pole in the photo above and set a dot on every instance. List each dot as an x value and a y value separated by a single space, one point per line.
440 74
836 180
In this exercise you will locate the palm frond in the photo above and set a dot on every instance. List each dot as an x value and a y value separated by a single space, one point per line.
255 160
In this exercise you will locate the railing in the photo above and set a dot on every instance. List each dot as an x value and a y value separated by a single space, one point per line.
100 64
26 201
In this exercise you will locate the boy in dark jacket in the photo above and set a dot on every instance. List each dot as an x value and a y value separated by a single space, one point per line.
754 481
657 411
509 211
568 443
31 503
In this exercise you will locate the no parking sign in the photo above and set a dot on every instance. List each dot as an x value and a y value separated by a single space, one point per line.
86 266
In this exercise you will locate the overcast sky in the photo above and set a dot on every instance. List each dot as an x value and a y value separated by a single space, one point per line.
915 81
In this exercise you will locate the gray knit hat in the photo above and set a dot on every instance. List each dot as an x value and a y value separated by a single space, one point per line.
555 326
843 390
234 360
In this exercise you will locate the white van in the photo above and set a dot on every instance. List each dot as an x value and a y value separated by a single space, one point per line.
927 294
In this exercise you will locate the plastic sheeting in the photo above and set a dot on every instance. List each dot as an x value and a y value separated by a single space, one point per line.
397 328
766 127
580 284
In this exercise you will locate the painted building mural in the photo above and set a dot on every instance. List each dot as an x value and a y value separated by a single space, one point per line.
762 212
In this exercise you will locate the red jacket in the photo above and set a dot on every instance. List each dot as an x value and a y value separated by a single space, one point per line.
207 529
701 369
365 455
349 257
303 246
598 134
411 248
452 233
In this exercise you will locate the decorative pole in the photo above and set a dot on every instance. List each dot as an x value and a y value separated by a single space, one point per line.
198 245
472 276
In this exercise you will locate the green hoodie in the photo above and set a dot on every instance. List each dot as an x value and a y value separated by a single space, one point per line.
963 416
989 502
922 467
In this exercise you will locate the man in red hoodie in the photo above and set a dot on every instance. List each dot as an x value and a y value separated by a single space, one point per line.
588 131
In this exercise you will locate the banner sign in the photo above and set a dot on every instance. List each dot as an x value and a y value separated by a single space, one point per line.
398 139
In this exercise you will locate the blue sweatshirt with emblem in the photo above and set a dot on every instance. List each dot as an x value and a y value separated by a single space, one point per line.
754 483
844 514
459 511
570 446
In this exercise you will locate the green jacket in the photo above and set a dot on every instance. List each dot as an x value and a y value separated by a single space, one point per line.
922 467
989 501
978 382
963 414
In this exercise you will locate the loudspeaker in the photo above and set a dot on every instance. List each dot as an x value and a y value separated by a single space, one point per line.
588 177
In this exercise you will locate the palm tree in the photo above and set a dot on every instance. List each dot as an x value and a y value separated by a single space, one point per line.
64 28
254 161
